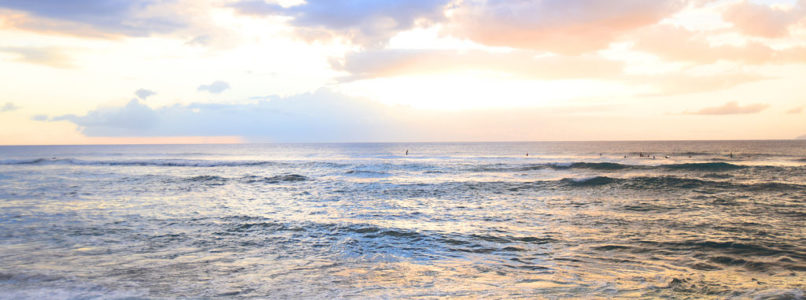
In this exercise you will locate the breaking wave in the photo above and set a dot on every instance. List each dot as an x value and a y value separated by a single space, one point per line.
647 183
611 166
217 180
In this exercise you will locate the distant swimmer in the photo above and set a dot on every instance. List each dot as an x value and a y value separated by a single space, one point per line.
527 153
731 155
625 156
407 151
653 157
667 157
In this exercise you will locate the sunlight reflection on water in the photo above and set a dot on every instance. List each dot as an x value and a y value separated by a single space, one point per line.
358 221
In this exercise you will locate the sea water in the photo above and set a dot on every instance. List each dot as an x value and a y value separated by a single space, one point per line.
474 220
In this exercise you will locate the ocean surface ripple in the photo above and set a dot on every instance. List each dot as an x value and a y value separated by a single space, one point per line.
478 220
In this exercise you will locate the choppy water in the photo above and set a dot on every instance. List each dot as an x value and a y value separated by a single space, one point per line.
363 220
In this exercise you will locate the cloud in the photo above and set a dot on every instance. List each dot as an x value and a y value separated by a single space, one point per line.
257 8
802 137
678 44
795 110
131 119
525 64
144 93
48 56
93 17
40 118
364 22
560 26
763 20
732 108
388 63
9 107
681 83
201 40
217 87
325 116
319 116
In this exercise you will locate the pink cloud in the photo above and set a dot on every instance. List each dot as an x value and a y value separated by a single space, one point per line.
679 44
763 20
560 26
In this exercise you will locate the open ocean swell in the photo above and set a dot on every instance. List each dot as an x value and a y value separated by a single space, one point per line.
612 220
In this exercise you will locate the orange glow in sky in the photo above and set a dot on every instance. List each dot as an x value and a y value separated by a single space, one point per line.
190 71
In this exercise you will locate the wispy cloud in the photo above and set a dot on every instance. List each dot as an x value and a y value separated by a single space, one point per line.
681 83
386 63
40 117
48 56
9 107
216 87
795 110
732 108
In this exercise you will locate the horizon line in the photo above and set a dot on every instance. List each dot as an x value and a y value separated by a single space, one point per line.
399 142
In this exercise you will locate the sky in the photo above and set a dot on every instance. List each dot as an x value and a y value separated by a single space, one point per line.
232 71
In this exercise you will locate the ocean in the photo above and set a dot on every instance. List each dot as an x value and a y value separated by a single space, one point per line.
700 219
